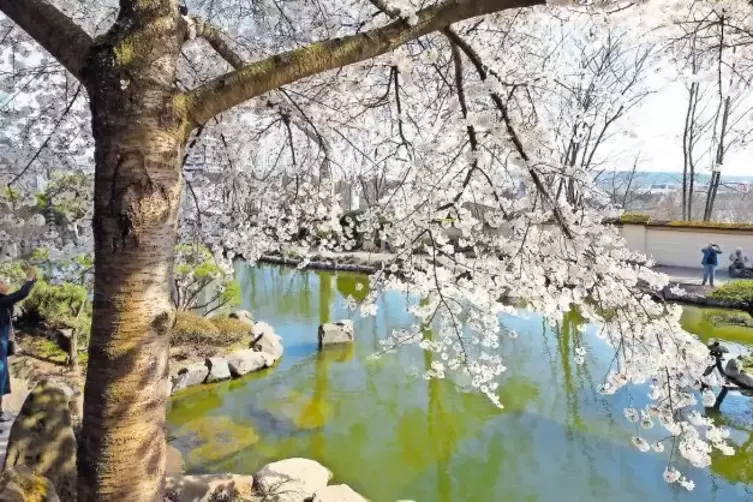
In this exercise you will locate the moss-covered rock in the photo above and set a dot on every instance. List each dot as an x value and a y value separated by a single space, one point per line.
21 484
218 438
43 440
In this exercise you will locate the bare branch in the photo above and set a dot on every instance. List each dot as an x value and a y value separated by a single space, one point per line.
232 89
517 143
53 30
217 39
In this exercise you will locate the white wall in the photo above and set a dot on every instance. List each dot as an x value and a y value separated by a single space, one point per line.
681 247
635 235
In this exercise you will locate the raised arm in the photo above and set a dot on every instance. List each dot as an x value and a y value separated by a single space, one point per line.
13 298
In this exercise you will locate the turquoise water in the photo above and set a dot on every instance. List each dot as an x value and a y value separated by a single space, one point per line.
392 435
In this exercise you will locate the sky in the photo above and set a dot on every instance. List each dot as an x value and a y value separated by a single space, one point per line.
658 126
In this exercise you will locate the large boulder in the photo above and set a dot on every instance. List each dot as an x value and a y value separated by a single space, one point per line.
43 440
188 376
210 488
264 339
335 333
218 369
337 493
21 484
291 480
246 361
244 316
741 377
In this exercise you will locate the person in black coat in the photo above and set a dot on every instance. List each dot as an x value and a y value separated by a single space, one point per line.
7 301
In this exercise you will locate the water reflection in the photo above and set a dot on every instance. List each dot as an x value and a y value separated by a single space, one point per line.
391 435
695 321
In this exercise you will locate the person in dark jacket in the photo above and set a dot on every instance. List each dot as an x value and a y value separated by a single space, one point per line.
7 301
710 261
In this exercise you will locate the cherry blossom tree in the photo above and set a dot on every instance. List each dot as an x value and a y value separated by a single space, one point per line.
718 117
259 108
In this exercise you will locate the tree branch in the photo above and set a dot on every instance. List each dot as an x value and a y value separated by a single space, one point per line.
53 30
234 88
215 37
481 69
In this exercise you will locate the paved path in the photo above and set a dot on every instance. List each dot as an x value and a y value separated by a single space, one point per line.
4 433
12 405
689 275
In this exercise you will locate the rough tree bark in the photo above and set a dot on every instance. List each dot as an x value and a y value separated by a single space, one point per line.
141 123
139 137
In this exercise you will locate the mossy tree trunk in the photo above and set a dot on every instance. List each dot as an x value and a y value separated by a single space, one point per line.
139 140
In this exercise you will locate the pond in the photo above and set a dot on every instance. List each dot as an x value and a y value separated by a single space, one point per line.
392 435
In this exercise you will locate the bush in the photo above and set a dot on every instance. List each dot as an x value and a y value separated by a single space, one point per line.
718 317
737 292
63 306
196 272
206 332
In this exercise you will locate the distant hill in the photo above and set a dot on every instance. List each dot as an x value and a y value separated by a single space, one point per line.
646 179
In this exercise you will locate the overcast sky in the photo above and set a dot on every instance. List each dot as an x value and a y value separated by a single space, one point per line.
658 125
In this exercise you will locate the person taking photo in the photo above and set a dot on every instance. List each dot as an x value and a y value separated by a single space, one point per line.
7 302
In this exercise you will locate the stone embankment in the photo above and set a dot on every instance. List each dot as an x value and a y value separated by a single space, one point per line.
264 350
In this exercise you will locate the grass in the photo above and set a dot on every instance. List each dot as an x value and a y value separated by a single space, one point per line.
203 336
720 317
711 324
45 349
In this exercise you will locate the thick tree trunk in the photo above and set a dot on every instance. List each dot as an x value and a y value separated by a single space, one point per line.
139 135
122 450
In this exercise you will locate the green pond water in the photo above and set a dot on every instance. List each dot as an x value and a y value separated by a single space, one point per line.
391 435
